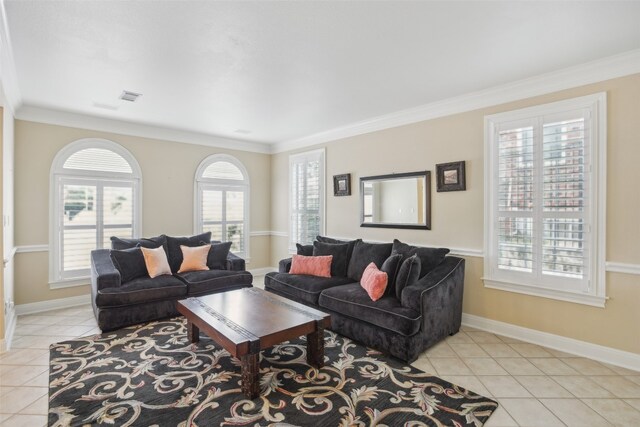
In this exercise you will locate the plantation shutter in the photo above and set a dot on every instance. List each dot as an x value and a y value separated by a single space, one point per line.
306 197
541 200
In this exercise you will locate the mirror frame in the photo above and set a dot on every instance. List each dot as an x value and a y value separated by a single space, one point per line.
427 198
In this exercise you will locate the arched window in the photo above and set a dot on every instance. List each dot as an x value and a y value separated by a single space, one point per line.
222 201
95 194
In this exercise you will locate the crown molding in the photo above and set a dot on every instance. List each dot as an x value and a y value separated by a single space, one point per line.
11 90
620 65
84 121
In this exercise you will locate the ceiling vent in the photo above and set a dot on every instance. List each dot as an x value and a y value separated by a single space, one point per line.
130 96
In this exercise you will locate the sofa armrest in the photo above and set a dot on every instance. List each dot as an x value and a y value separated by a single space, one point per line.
235 263
440 291
284 266
103 273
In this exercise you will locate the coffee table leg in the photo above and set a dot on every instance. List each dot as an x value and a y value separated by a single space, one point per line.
193 332
250 375
315 348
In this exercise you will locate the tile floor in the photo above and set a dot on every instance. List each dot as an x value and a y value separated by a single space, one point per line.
535 386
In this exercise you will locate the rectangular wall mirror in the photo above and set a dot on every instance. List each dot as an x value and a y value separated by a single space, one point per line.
401 200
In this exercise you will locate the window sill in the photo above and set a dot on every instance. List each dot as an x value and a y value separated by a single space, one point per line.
574 297
69 283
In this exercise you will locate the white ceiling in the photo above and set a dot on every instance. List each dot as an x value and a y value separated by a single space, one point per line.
287 70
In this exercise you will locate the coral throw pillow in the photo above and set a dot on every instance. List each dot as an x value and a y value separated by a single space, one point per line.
156 261
311 265
194 258
374 281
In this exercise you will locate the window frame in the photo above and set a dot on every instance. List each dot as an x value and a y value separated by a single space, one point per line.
201 184
596 107
60 176
293 159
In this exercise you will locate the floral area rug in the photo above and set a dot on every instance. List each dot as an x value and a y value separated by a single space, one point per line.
151 375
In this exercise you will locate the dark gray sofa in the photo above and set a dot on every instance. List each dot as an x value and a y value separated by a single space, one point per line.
405 324
118 303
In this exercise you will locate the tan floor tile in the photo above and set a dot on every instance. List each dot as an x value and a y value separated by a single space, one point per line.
76 331
42 360
558 353
587 366
530 412
459 338
518 366
22 330
499 350
39 407
424 365
21 356
20 398
573 412
20 420
37 319
484 366
4 417
530 350
509 340
553 366
41 380
4 390
634 378
450 366
619 386
504 386
470 382
76 321
441 349
540 386
15 375
581 386
484 338
500 418
634 402
615 411
468 328
468 350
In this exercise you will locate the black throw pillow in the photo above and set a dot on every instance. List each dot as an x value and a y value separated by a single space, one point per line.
408 274
430 258
391 266
351 243
217 258
339 252
364 254
146 242
174 253
130 263
306 250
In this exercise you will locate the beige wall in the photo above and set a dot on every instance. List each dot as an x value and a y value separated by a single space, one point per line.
168 170
457 217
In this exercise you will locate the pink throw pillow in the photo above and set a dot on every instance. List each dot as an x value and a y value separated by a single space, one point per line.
374 281
311 265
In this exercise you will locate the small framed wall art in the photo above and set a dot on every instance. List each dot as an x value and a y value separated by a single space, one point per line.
451 176
342 185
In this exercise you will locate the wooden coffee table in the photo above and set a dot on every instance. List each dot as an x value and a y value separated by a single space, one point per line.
248 320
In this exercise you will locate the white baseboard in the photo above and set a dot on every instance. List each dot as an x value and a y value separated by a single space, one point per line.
601 353
262 271
54 304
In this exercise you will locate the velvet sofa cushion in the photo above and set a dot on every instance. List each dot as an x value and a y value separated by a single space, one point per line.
365 253
306 250
351 243
146 242
408 274
429 257
305 289
174 253
209 281
218 254
130 263
391 266
387 313
338 251
142 290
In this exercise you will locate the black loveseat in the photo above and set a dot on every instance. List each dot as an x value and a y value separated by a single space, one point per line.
122 301
404 322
